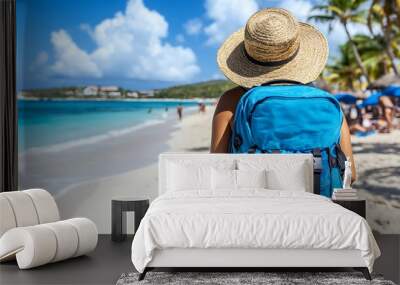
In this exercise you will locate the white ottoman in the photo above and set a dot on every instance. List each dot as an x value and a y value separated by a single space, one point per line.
31 232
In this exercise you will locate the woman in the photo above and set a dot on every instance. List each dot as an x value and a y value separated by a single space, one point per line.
272 46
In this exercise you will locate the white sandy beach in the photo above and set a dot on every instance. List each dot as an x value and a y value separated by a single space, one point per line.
377 160
92 198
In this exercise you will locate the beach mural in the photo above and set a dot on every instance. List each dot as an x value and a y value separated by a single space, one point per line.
106 86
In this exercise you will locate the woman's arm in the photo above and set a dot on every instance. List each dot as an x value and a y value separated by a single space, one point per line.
223 116
345 144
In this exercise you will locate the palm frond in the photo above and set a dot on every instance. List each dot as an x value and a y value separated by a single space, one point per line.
337 10
359 17
321 18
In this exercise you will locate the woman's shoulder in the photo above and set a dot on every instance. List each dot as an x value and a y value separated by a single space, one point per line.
230 98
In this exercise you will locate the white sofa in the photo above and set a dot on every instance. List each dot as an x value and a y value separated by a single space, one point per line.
31 231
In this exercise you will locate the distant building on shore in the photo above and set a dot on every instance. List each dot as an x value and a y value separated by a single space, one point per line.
114 94
110 91
132 94
91 90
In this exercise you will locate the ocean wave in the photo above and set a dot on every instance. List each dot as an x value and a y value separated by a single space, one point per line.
93 139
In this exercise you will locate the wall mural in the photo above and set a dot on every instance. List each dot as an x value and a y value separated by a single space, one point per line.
104 87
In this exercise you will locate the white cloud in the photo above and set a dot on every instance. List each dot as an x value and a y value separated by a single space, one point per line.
70 60
299 8
227 16
193 26
128 45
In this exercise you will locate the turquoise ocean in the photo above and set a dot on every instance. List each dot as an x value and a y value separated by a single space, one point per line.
60 124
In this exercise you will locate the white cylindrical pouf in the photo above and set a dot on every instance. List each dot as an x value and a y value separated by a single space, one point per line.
7 218
34 245
45 205
67 240
87 233
23 207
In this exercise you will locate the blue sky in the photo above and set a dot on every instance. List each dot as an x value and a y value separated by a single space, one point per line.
136 44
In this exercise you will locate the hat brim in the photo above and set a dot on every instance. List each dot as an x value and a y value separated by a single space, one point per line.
305 67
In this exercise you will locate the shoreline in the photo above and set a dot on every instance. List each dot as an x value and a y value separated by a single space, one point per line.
55 168
66 126
89 140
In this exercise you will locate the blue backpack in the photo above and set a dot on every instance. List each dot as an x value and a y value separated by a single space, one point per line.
292 119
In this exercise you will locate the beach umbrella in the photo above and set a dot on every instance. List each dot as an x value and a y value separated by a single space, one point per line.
372 100
385 81
392 91
346 98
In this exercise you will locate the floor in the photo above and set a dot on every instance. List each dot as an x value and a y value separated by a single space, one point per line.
103 266
110 260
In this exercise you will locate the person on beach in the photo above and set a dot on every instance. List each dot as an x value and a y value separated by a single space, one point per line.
273 46
179 111
358 121
386 103
202 108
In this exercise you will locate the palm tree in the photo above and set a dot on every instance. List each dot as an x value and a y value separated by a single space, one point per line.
346 12
343 71
381 12
375 61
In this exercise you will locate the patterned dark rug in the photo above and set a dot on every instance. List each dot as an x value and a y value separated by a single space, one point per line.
243 278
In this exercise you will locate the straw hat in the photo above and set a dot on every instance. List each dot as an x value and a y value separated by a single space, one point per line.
273 46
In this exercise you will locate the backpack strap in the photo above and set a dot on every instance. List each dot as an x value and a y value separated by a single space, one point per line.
340 158
317 170
282 81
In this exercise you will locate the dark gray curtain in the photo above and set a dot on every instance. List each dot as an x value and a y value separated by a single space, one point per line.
8 99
